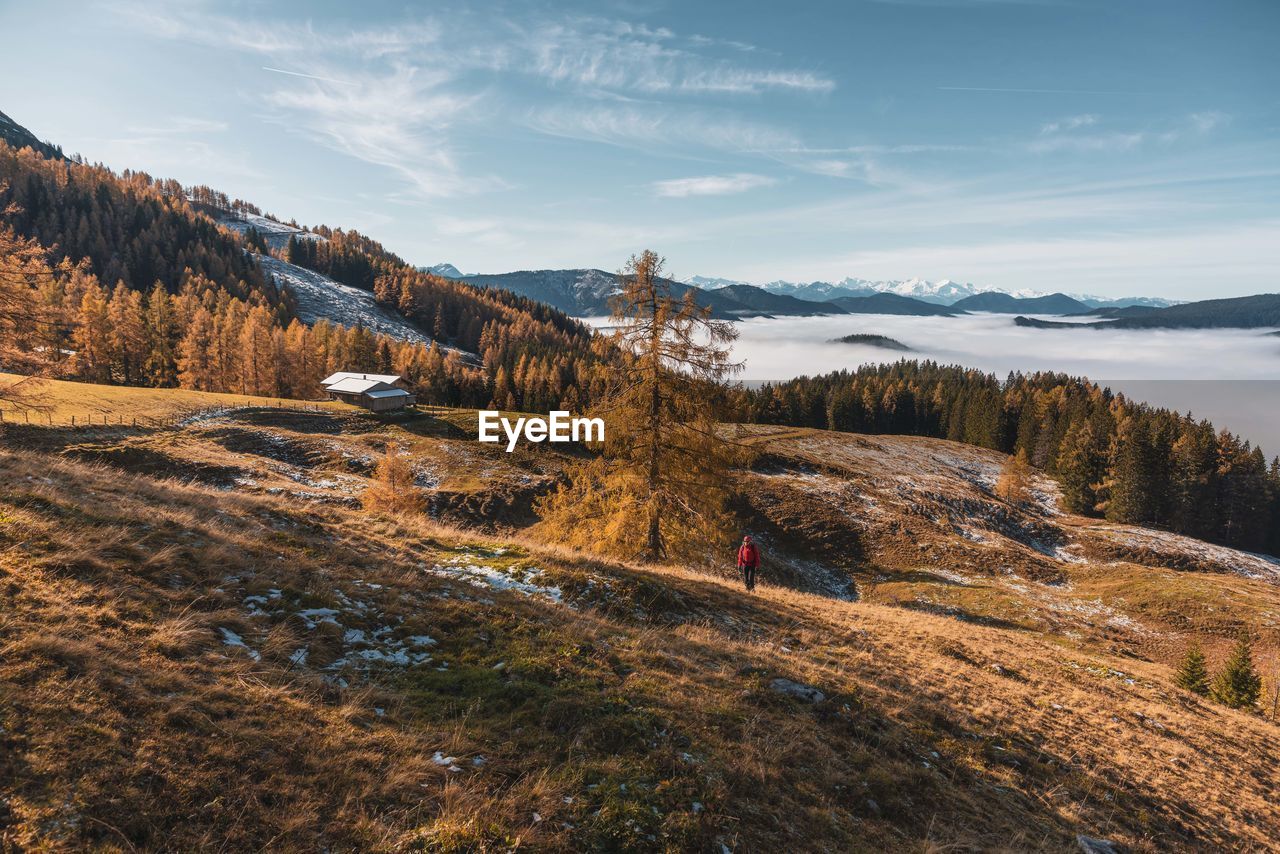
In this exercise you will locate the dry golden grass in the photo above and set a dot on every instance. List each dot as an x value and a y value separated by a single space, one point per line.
636 714
60 400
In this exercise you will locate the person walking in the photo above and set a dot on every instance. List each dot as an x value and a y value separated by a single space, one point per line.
748 561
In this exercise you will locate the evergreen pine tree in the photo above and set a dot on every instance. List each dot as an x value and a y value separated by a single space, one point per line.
1080 466
1193 673
1238 684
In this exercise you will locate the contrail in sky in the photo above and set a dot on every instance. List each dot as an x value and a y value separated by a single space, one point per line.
308 76
1032 91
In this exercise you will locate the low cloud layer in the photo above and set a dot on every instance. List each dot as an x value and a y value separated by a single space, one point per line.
1227 376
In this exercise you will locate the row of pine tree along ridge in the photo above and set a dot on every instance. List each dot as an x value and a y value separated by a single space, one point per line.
1130 462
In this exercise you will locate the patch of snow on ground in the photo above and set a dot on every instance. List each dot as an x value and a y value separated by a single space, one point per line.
951 575
494 579
206 416
1248 564
230 638
1064 554
361 647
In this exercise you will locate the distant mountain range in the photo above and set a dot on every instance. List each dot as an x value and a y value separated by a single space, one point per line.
1001 303
943 292
1253 312
586 293
875 303
576 291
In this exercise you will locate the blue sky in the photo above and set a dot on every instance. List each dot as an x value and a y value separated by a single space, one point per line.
1106 147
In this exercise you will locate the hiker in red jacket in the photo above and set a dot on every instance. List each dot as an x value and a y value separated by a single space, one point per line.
748 560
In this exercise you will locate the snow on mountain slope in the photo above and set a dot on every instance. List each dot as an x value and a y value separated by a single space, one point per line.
320 297
709 283
942 292
276 234
446 270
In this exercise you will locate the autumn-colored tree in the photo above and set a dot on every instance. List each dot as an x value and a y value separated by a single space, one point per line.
27 345
92 336
393 489
1014 483
161 330
1193 673
660 486
195 370
127 334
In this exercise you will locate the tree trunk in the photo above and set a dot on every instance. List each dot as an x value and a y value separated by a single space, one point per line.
655 549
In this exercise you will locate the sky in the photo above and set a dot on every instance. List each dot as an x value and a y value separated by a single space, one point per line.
1089 146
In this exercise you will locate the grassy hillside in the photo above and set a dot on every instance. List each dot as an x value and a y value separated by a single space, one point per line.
58 401
204 643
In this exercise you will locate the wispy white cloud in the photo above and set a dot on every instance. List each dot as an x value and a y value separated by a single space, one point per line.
1090 142
1208 120
653 126
180 126
595 53
833 168
711 185
393 95
1065 134
398 118
1069 124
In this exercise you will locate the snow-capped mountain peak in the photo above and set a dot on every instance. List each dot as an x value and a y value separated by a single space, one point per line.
941 292
447 271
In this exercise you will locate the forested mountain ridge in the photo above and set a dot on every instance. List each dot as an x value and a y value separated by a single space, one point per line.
129 261
587 293
1005 304
1114 457
891 304
1250 312
19 137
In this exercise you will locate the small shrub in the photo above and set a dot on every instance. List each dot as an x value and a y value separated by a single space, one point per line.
393 490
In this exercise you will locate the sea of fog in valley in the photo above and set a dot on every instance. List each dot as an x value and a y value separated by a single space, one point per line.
1230 376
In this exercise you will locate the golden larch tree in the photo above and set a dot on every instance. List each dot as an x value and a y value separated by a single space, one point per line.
659 487
393 489
1014 483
